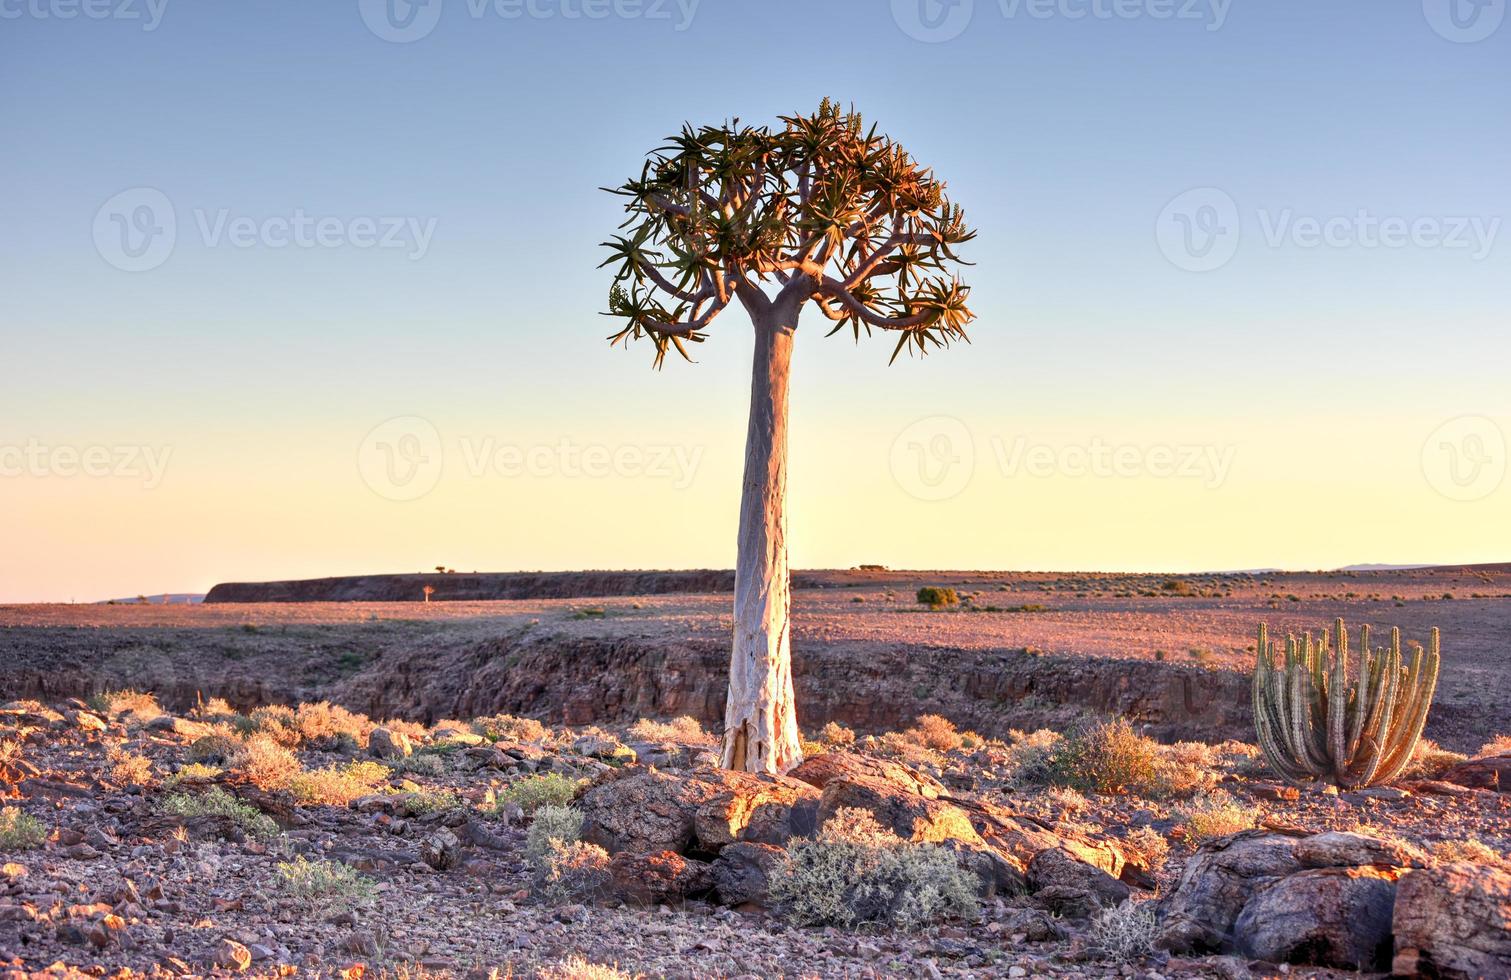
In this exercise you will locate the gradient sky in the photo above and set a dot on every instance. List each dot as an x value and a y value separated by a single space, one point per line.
1323 404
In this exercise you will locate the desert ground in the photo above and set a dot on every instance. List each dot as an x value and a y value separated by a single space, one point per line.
1171 652
1060 770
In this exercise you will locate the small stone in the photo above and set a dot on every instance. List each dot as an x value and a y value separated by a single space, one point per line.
385 743
232 955
441 850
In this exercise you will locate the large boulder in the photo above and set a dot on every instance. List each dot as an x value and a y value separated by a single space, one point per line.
389 743
657 879
742 873
1346 849
1070 887
818 770
1020 838
646 810
907 814
1331 916
1217 883
1492 772
1454 921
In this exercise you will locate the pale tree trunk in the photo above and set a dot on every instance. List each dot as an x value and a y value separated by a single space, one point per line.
760 713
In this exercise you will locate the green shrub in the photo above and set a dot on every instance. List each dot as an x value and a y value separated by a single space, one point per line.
855 873
534 792
561 824
423 764
192 772
216 802
431 801
1109 757
328 884
19 830
216 748
499 728
571 871
1029 758
938 597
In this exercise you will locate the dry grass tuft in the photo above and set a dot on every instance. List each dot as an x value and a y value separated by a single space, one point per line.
1125 932
685 731
935 732
507 728
1499 745
338 785
1214 815
836 736
577 968
265 762
128 768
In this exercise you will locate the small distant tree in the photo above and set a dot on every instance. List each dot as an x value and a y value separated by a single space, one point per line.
429 591
820 212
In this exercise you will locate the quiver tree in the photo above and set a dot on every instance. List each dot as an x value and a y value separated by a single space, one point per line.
1313 724
820 211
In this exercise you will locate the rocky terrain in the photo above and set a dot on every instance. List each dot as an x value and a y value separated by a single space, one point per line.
1051 776
309 839
1020 651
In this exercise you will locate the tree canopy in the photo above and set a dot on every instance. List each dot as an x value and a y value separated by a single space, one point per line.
822 209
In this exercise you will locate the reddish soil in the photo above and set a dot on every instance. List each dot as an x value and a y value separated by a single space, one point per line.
1028 649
